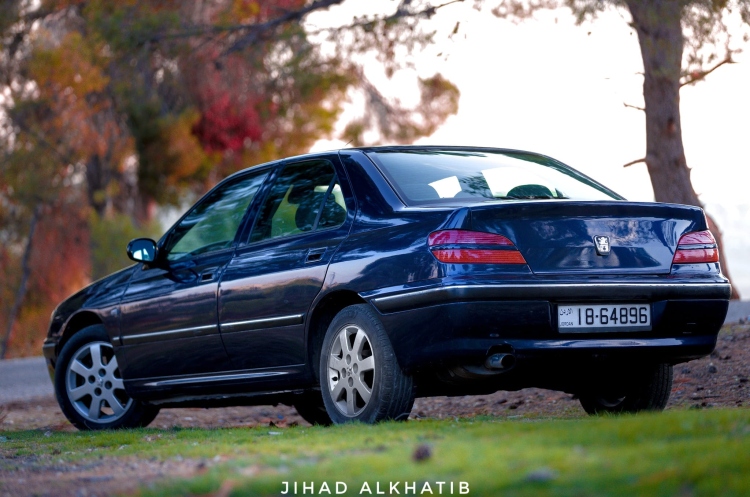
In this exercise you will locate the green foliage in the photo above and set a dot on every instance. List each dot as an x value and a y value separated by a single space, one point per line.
109 238
170 156
30 173
127 26
72 65
673 453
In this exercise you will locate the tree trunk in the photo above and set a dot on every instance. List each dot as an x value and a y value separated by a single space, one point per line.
659 27
96 183
21 292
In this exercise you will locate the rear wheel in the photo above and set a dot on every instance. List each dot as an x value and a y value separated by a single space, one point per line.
648 391
359 375
89 388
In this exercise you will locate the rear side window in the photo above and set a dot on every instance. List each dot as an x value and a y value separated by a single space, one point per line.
304 197
334 209
426 176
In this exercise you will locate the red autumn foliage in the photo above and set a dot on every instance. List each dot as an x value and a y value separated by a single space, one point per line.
60 262
226 124
232 102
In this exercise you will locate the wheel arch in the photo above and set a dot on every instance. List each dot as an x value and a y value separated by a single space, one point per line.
76 323
321 316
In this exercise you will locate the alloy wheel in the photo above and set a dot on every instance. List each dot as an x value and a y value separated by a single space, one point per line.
94 386
351 370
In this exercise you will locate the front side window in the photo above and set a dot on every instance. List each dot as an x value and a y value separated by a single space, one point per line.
305 196
424 176
213 223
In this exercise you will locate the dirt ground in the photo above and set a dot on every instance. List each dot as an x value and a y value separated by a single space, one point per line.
720 380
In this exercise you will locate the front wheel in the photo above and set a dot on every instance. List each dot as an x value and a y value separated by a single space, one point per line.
647 391
359 375
89 388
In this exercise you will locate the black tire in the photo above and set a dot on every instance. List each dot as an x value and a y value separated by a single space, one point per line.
391 392
312 409
648 391
98 389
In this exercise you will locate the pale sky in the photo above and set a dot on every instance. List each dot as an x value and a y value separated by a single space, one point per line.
551 87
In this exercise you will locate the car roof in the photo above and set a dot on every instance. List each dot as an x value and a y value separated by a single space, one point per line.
385 148
455 148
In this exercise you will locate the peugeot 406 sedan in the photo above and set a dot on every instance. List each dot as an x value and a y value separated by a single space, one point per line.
348 283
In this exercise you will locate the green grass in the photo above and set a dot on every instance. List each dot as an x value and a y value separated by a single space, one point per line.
673 453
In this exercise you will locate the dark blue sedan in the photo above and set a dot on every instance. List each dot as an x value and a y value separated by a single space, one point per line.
348 283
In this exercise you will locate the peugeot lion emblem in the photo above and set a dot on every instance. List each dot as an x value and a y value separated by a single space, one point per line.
602 244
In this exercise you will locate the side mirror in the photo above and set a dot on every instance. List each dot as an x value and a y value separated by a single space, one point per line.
142 250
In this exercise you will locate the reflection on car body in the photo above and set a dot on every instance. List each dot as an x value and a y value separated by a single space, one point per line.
347 283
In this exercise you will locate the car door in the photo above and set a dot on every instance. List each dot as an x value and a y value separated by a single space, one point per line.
169 324
268 287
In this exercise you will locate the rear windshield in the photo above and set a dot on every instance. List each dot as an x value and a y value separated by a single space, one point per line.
427 176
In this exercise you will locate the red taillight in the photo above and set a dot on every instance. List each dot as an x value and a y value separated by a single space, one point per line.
696 256
473 256
697 238
473 247
696 248
464 237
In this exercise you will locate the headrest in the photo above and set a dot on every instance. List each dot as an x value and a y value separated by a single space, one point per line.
526 191
302 189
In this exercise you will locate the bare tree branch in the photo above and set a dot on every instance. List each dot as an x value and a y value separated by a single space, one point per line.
256 32
400 13
633 107
253 31
634 162
701 75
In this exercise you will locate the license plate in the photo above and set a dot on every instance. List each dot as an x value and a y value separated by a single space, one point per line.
603 317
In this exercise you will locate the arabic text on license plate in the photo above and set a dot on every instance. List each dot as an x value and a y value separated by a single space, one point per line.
603 317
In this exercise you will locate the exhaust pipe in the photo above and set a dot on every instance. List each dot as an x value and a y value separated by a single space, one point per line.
500 361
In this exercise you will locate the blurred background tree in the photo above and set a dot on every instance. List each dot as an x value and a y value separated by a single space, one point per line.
111 111
682 42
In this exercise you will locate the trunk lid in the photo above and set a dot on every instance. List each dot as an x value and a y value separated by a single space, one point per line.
558 236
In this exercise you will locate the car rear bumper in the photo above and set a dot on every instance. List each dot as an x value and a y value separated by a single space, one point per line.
464 323
387 301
